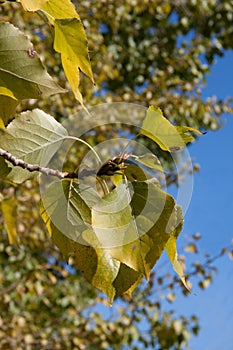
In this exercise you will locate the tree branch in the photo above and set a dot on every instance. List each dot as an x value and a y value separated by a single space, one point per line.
43 170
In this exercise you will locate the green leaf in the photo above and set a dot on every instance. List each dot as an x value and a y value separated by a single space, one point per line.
22 74
10 218
34 137
160 130
70 41
32 5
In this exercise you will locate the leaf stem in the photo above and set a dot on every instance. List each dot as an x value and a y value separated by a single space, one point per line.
85 143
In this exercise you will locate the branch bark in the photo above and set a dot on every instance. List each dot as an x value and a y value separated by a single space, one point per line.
43 170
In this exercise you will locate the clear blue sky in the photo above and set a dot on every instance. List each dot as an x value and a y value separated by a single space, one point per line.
210 213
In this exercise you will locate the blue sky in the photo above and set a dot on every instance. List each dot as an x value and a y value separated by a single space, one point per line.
210 213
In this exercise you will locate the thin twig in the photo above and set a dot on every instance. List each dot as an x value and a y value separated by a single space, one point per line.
43 170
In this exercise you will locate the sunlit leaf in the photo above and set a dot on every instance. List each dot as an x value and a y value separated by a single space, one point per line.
9 207
159 129
32 5
70 41
34 137
22 74
59 9
186 133
72 74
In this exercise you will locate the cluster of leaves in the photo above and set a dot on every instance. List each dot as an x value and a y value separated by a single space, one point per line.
141 51
35 137
136 240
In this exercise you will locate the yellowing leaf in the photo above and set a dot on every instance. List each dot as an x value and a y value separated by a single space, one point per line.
70 41
159 129
184 132
118 239
10 219
2 125
6 92
172 254
59 9
72 74
32 5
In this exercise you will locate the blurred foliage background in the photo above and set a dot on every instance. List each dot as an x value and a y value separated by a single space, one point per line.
155 52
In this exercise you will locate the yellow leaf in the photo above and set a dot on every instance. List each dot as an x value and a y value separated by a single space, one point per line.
70 40
32 5
59 9
172 254
10 219
2 126
7 92
160 130
72 74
